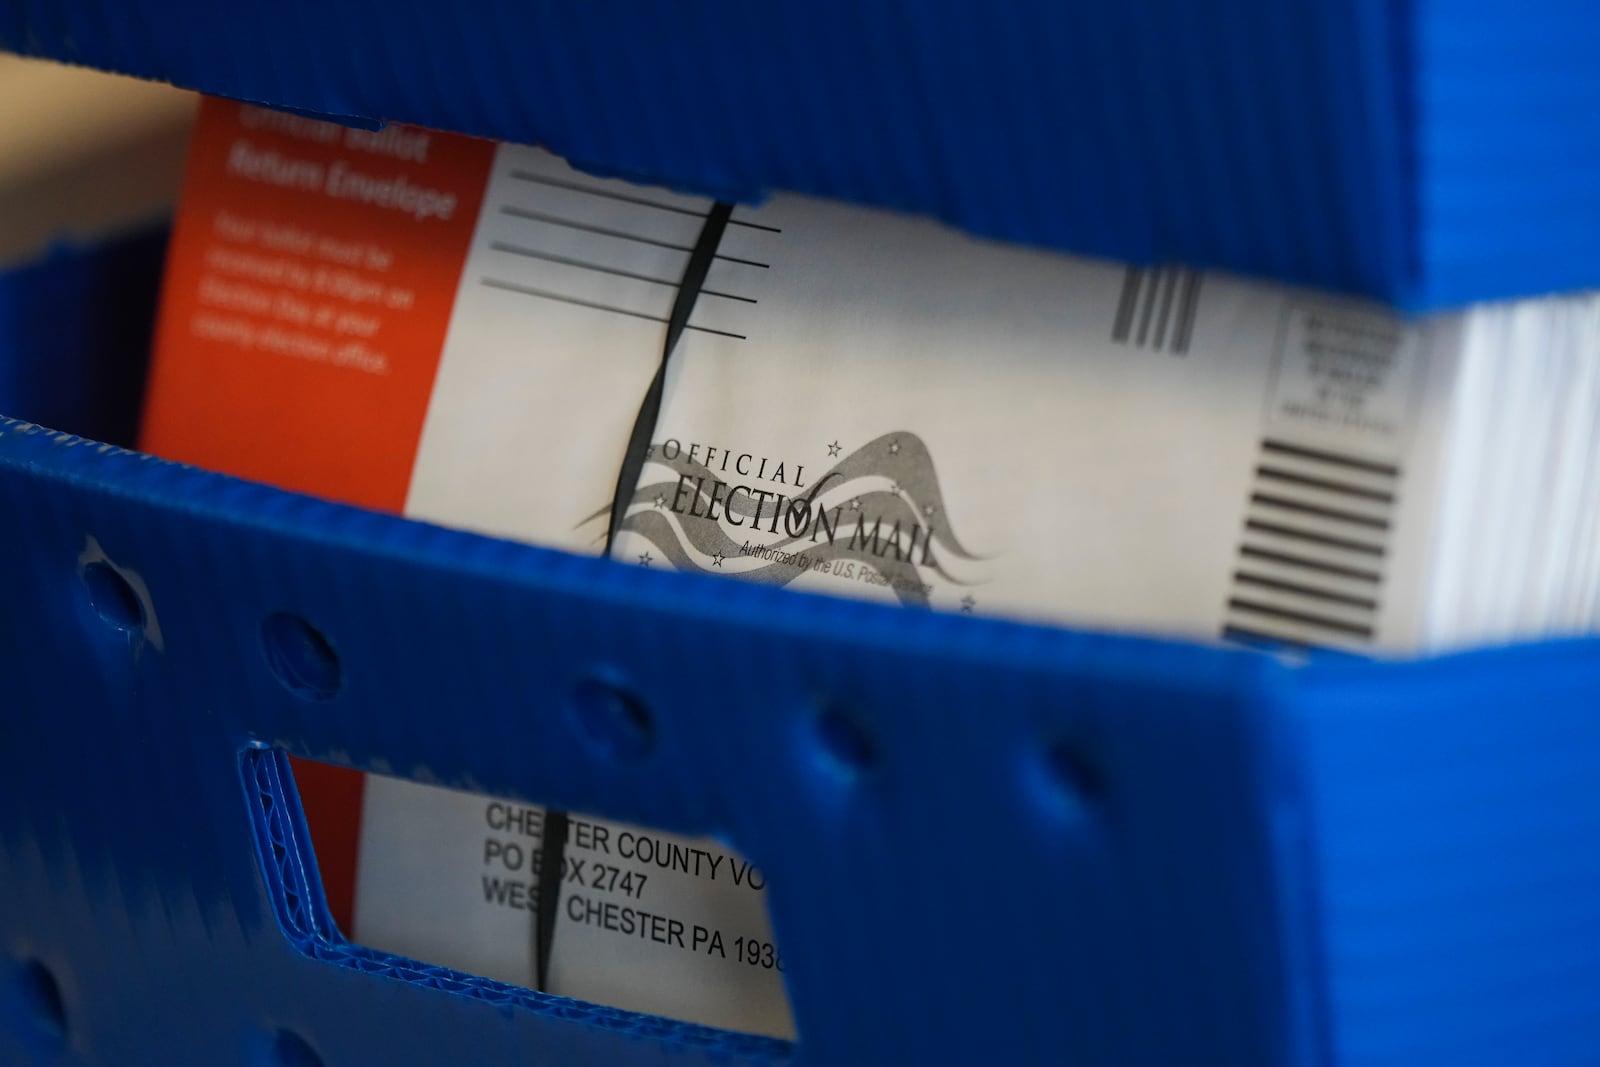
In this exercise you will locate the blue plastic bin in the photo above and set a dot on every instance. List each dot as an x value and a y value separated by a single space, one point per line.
1426 152
986 842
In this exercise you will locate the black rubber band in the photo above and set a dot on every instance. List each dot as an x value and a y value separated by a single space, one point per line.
552 848
644 426
554 835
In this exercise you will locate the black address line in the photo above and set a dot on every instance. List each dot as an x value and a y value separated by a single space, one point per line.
512 287
579 187
1272 500
1302 563
1354 629
1314 592
1281 475
1280 530
567 261
603 231
1388 470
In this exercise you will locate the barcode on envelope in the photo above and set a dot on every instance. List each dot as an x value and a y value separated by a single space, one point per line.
1156 309
1315 540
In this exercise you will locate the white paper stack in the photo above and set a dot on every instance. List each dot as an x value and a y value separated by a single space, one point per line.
1516 550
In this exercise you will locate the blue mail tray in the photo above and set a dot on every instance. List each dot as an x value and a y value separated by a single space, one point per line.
1425 152
986 842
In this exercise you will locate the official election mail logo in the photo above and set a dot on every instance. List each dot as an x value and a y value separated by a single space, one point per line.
876 516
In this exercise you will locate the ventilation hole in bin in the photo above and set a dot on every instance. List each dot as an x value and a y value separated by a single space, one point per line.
611 720
1074 774
41 995
112 598
846 746
289 1049
300 657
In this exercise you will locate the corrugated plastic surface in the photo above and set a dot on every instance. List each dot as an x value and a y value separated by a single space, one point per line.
1264 137
1508 147
1457 869
1037 846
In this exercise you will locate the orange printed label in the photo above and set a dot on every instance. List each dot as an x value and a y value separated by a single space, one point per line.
309 286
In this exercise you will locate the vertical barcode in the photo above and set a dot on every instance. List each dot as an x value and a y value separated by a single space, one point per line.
1156 308
1309 569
